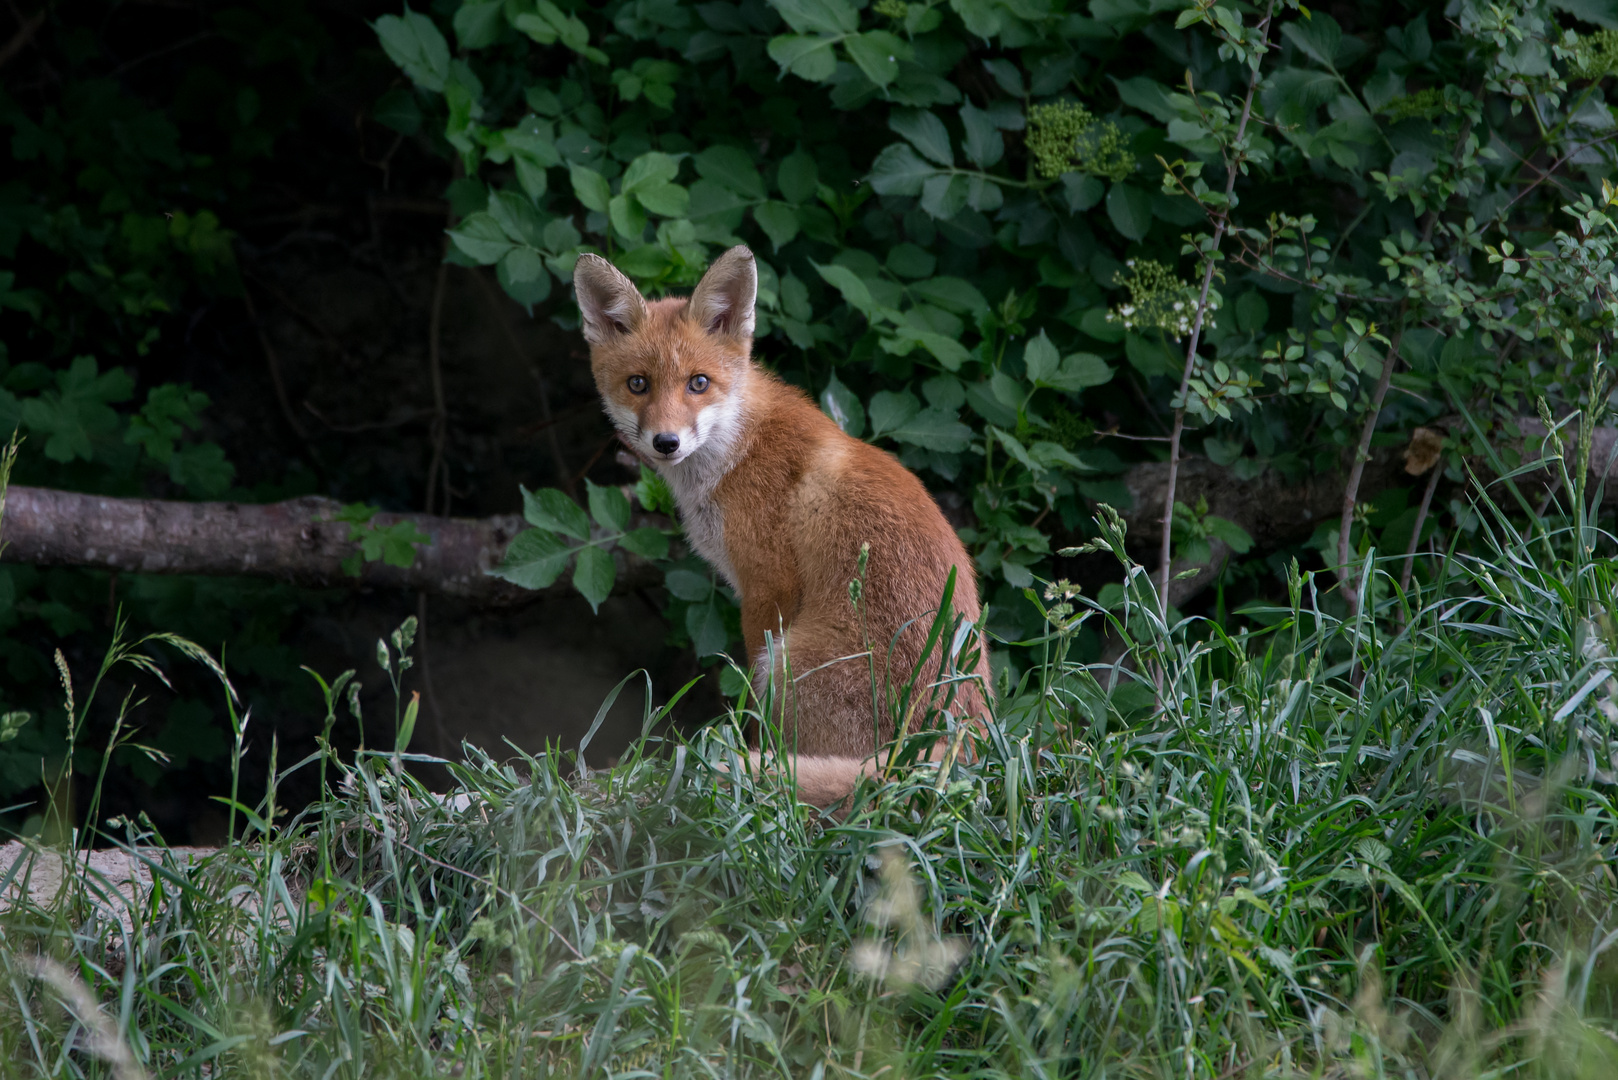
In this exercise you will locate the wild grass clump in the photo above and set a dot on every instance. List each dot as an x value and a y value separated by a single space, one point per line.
1293 845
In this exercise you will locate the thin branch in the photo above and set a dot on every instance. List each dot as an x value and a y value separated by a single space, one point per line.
1421 521
1233 169
19 40
1362 454
440 421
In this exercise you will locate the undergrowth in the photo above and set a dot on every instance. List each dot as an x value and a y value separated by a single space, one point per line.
1290 845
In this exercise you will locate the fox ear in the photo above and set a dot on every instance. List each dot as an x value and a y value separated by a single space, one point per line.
609 302
723 301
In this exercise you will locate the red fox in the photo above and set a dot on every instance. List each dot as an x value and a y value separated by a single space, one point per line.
779 500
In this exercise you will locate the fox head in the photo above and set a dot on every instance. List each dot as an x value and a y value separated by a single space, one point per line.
671 372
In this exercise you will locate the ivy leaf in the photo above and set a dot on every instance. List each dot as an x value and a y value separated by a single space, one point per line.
926 133
843 406
551 509
608 506
414 43
733 168
593 575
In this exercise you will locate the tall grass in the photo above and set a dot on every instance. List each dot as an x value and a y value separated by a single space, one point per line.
1290 845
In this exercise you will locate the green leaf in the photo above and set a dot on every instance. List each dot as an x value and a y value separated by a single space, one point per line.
946 350
480 236
1080 370
1252 312
202 470
591 188
779 222
706 625
732 167
889 410
416 45
822 16
1082 191
798 177
897 170
1041 359
877 53
652 169
910 261
608 506
951 294
648 543
850 284
984 143
943 196
399 110
534 559
1230 532
1130 209
78 411
627 217
593 575
810 58
926 133
478 25
551 509
934 429
517 218
843 406
666 200
688 585
1318 36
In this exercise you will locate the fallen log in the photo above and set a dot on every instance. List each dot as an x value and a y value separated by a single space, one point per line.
300 542
297 541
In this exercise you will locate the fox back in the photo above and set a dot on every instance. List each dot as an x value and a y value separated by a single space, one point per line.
782 503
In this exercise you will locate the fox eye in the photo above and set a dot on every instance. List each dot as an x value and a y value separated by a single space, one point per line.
637 384
698 384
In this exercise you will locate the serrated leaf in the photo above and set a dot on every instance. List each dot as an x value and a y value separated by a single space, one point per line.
809 58
534 559
825 16
648 543
899 170
687 585
593 575
779 222
798 177
1041 359
843 406
551 509
934 429
591 188
706 625
926 133
608 506
984 143
877 53
733 168
1130 209
523 275
890 409
943 196
480 236
414 43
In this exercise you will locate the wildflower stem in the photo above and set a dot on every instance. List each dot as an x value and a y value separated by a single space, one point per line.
1222 222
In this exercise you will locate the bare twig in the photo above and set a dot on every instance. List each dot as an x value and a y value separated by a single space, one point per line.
18 41
1233 168
440 422
273 362
1362 454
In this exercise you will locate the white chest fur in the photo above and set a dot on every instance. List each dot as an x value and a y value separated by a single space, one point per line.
695 480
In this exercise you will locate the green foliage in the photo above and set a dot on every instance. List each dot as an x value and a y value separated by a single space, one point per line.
393 544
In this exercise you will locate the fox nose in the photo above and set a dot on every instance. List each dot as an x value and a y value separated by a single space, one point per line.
665 443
